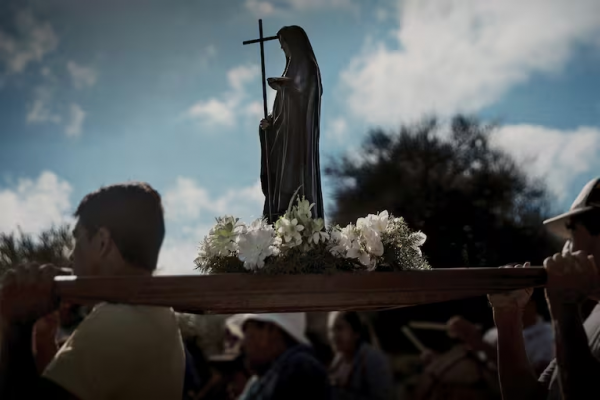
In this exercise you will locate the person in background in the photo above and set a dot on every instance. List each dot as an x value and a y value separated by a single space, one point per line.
358 370
231 364
197 373
118 352
233 375
537 334
572 278
277 352
225 375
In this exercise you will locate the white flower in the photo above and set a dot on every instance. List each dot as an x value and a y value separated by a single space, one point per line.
321 237
370 229
257 242
363 222
363 257
318 234
380 221
335 247
221 239
419 239
303 209
343 240
289 231
373 242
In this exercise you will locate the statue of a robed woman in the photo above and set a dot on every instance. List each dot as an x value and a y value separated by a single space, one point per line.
290 142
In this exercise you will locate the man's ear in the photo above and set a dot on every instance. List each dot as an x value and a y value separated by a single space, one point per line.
104 241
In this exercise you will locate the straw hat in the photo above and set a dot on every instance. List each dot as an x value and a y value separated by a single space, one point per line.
294 324
588 199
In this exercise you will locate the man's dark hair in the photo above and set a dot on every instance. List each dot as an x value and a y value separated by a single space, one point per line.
589 219
133 214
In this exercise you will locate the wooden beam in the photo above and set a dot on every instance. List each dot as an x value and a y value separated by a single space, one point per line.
257 293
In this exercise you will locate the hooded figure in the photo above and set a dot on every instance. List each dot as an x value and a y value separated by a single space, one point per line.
292 130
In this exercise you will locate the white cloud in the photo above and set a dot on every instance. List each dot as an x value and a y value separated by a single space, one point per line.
193 209
35 205
381 14
188 201
177 257
30 42
221 111
82 76
556 155
262 8
267 8
46 72
75 123
208 54
40 110
463 55
255 110
211 50
215 111
338 129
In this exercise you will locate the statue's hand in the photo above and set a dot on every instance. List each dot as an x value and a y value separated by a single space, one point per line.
264 124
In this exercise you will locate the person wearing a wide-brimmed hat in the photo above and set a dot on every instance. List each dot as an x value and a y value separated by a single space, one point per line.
278 352
573 277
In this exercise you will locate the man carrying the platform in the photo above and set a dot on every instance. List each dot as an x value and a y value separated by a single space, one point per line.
277 351
118 351
572 277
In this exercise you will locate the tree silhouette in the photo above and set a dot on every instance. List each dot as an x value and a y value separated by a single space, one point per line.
50 246
476 204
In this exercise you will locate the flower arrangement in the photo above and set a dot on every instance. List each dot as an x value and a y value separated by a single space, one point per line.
298 243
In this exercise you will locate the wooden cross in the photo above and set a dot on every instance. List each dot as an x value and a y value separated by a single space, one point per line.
261 40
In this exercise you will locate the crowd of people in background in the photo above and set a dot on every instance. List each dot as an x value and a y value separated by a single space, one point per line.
56 350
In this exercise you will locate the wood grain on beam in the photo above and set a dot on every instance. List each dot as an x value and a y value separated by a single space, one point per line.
240 293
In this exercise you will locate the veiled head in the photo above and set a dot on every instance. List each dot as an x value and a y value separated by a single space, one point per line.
295 43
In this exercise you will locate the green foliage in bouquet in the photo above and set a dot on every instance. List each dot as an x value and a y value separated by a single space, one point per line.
300 244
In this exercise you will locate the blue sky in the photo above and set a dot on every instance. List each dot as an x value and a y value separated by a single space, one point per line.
94 93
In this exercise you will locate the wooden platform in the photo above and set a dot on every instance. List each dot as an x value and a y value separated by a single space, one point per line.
241 293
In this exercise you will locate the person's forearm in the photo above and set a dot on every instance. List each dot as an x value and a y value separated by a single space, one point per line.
579 371
18 373
517 378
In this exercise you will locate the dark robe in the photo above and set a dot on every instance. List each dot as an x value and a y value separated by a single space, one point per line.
292 141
